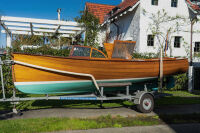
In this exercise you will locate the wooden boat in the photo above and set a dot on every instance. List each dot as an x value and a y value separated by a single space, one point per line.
85 67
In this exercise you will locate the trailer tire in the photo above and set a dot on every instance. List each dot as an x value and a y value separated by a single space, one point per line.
146 104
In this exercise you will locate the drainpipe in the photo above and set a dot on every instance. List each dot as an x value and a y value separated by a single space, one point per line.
191 40
117 26
190 72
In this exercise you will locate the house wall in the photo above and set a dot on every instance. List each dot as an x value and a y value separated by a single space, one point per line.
181 10
101 37
135 26
128 27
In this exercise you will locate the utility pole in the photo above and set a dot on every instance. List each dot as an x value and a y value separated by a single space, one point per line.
59 10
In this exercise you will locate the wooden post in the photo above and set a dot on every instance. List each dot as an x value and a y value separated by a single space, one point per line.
8 40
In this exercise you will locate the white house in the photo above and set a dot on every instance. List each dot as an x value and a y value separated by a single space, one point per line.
132 20
136 20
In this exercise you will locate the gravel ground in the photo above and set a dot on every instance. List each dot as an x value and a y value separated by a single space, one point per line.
83 113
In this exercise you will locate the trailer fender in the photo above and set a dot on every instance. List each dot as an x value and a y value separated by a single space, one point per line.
139 96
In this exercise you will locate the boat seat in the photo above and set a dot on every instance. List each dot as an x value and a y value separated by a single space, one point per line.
114 84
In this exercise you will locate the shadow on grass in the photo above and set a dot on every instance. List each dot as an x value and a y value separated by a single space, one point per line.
176 100
196 92
179 110
77 104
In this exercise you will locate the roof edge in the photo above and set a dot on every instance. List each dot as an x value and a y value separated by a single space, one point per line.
100 4
127 9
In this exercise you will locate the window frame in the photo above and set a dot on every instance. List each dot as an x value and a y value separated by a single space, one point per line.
177 44
197 48
174 3
153 2
150 40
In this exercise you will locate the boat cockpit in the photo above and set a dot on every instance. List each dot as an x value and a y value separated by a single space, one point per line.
85 52
117 50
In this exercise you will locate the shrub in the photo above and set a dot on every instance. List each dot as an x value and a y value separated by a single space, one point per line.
44 50
181 82
145 55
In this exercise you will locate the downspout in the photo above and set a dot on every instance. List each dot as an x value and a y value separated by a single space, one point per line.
117 26
191 40
190 73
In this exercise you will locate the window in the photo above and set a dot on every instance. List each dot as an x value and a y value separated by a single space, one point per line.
197 47
174 3
81 51
177 42
150 40
154 2
97 54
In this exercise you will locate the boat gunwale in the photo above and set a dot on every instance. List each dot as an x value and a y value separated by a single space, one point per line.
105 59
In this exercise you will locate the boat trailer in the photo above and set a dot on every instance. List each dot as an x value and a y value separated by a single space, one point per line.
144 100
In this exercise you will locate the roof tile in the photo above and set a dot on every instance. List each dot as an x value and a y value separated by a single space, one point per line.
125 5
99 10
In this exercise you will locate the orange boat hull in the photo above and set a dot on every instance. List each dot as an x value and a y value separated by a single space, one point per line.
102 69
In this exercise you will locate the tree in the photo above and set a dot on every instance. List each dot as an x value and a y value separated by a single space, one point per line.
161 26
52 40
91 25
19 40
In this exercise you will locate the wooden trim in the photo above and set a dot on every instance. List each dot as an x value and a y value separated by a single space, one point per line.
124 41
101 69
109 49
113 60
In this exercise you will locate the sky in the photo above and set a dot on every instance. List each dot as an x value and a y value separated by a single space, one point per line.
47 9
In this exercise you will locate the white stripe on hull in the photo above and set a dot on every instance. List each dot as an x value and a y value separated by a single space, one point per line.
78 81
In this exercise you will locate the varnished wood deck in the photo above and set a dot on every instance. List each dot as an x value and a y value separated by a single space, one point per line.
100 69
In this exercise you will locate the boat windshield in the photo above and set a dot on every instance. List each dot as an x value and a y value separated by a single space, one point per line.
123 49
86 52
81 51
97 54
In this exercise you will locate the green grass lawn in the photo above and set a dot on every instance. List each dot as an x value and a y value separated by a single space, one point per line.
58 124
177 97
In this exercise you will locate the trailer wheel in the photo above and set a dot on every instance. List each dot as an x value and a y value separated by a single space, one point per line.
146 104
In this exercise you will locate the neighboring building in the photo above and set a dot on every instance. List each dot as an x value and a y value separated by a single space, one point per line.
127 21
100 11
